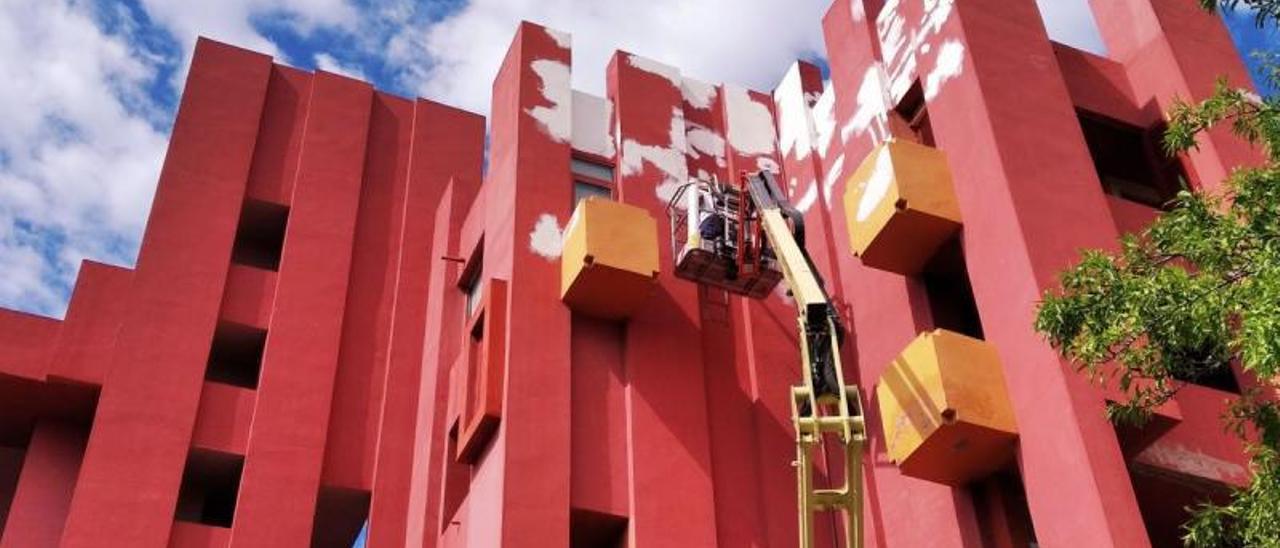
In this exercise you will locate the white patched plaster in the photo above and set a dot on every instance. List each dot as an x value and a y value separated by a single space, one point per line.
824 119
562 39
670 73
832 177
1174 456
547 239
703 141
859 11
900 44
809 198
750 123
873 107
795 131
877 186
669 158
555 119
592 124
949 64
698 94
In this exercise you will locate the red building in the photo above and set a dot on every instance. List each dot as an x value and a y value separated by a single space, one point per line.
333 321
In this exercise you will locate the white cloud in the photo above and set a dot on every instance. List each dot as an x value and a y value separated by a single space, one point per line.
78 158
455 59
326 62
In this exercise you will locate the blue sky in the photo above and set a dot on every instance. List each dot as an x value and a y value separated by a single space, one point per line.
92 86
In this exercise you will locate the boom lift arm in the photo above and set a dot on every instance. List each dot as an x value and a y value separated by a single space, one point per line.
754 229
823 404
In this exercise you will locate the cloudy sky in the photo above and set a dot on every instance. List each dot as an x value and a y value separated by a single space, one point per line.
90 87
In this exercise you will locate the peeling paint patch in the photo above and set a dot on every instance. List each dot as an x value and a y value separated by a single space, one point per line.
669 158
697 93
704 141
877 186
670 73
562 39
873 106
796 131
810 197
592 117
829 181
555 119
824 119
547 239
1177 457
750 123
949 64
767 164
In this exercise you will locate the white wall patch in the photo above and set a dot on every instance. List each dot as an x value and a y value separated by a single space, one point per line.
796 131
547 239
555 119
750 123
704 141
949 64
670 73
833 176
824 119
697 93
669 159
592 124
877 186
562 39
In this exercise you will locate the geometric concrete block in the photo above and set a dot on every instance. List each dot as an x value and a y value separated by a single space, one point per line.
900 206
609 263
945 409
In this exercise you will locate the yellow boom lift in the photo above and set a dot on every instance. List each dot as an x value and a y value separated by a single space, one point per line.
745 238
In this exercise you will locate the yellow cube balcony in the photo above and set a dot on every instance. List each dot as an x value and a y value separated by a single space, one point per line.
609 266
900 206
945 409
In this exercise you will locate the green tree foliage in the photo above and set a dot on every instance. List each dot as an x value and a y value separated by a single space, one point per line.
1196 291
1265 10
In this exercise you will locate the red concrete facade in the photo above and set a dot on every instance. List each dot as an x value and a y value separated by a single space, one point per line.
340 316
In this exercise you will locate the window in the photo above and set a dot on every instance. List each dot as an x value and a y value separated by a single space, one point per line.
210 484
260 235
1000 504
946 282
583 190
588 169
235 357
915 114
341 517
1130 162
590 179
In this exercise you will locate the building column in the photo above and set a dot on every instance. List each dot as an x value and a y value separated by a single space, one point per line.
43 494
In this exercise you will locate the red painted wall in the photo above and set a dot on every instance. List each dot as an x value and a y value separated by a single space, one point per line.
669 429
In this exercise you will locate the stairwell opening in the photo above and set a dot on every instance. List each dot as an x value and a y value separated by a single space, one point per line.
260 235
210 485
945 280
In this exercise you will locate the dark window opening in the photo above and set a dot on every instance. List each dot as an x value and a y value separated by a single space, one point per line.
913 112
946 282
1130 161
210 484
340 516
1163 500
595 171
235 357
1205 368
1000 503
260 235
589 529
583 190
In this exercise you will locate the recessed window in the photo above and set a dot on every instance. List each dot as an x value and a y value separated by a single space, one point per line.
472 280
235 357
946 282
1000 504
591 170
915 114
583 190
260 235
210 484
341 516
1130 162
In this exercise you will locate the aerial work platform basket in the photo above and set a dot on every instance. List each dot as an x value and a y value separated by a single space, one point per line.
710 223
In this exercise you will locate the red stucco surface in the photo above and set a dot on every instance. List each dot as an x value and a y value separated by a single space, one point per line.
669 429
